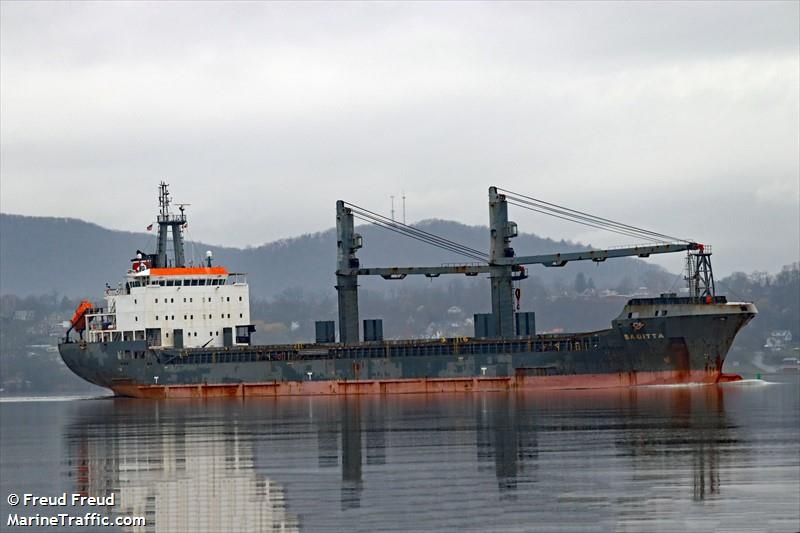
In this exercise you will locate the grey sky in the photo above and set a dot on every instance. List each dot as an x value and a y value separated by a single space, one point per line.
680 117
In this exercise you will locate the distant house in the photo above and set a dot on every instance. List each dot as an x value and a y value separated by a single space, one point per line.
778 339
23 315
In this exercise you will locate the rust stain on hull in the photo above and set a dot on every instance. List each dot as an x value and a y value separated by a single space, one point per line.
417 386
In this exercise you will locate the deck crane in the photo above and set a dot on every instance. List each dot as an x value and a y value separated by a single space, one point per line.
501 263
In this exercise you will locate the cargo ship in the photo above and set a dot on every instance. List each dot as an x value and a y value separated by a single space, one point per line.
173 330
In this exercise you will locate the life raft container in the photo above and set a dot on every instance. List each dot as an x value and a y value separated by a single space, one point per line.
78 320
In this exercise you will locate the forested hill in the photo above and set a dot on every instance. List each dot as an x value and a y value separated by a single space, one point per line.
40 255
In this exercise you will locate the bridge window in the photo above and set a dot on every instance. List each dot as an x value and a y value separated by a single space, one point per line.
172 300
156 300
229 298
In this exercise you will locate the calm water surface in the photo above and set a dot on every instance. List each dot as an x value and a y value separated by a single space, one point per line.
697 458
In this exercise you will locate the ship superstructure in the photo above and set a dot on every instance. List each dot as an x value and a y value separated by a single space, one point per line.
168 304
172 330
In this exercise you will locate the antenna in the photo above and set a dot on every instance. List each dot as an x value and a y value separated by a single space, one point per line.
392 197
163 198
182 208
404 206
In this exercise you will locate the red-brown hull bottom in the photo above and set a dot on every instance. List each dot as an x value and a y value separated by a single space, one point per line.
416 386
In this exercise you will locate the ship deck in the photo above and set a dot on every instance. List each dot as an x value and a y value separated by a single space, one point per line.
392 349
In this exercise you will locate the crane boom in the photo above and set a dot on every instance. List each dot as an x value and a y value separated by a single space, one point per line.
548 260
503 266
559 260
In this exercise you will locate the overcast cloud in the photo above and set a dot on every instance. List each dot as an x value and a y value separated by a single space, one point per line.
680 117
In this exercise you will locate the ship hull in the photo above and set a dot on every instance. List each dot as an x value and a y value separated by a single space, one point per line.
420 386
654 351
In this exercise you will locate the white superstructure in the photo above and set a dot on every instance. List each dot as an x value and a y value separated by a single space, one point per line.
169 304
185 307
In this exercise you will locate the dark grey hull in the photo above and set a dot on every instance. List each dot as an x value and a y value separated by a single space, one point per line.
634 351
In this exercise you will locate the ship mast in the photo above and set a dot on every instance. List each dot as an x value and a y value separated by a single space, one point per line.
168 222
699 275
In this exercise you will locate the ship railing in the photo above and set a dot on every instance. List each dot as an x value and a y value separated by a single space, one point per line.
677 300
642 245
98 320
390 349
467 264
104 336
237 278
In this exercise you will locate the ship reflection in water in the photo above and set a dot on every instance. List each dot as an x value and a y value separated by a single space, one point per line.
627 459
180 476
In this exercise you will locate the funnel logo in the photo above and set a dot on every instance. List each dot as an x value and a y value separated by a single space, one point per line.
637 326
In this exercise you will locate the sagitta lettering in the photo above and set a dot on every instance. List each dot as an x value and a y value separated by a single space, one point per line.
642 336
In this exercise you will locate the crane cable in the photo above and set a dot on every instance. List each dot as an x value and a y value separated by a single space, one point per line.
412 229
390 228
595 221
581 217
519 200
416 233
629 234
